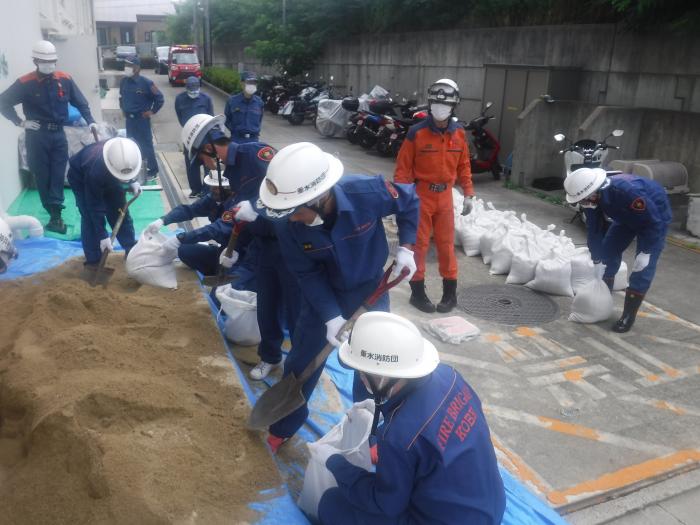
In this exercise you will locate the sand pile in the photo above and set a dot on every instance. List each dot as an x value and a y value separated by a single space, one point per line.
118 405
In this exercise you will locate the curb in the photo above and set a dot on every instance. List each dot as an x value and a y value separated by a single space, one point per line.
214 88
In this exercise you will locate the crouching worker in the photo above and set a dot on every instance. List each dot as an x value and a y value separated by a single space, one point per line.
639 208
434 459
97 175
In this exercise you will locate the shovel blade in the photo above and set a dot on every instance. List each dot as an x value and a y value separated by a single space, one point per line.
97 276
215 280
279 401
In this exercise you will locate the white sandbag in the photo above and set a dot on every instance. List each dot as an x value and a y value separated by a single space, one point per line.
350 439
593 303
501 260
621 281
582 269
241 309
149 263
489 239
453 329
471 239
553 276
8 251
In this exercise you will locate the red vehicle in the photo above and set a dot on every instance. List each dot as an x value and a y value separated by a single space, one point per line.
182 64
484 147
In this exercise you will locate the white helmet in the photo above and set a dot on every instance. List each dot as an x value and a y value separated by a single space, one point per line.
213 180
444 91
297 174
44 50
7 246
582 183
388 345
122 158
196 128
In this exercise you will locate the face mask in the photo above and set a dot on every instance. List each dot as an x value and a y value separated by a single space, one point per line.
589 205
250 89
440 111
193 94
129 72
46 68
318 221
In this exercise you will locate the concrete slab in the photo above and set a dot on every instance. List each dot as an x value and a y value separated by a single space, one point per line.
654 515
576 410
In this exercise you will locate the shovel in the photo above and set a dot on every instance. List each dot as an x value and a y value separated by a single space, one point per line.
221 278
286 396
100 274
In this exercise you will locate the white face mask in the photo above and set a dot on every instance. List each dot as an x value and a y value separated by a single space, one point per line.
590 205
193 94
46 68
440 111
129 72
318 221
250 89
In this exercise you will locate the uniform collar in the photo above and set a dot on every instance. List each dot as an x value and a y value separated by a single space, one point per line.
407 390
451 126
342 203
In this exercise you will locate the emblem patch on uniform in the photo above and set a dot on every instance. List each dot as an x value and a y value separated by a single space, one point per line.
307 246
227 216
391 189
266 153
638 204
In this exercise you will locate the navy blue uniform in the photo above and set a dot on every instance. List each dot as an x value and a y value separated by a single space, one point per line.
244 117
638 208
45 99
99 196
436 464
339 264
136 96
186 107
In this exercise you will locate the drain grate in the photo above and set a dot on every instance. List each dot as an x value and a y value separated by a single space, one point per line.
507 304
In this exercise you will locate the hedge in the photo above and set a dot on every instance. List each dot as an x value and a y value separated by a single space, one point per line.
223 78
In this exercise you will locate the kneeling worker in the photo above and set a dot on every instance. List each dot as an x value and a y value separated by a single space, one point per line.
435 462
97 174
638 208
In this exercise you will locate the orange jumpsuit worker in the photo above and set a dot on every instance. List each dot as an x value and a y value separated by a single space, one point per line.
435 156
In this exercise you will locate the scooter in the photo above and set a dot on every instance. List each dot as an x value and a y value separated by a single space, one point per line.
587 153
484 146
394 132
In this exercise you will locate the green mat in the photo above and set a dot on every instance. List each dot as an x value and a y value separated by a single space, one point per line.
147 208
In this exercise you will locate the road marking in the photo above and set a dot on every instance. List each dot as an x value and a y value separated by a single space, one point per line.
544 344
618 384
517 466
624 476
623 360
683 345
475 363
676 408
668 370
573 429
672 317
519 354
553 365
663 379
574 375
562 396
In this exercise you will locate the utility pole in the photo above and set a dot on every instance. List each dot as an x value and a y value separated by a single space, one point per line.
194 23
207 36
284 14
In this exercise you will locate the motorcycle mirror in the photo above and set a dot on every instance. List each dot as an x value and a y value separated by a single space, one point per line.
488 105
306 75
559 137
618 132
331 77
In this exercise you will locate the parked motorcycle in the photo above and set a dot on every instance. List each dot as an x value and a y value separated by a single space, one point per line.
484 146
393 134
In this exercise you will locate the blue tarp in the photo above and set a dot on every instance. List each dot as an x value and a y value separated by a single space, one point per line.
276 505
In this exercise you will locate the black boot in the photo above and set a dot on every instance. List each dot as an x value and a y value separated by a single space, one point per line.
419 299
56 223
633 301
449 296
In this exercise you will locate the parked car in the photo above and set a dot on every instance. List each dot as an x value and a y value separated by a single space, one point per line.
122 53
161 59
182 64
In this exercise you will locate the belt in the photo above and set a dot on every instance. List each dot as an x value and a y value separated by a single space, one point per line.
134 115
51 126
245 135
437 188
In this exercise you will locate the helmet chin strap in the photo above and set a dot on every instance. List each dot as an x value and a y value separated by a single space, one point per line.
379 391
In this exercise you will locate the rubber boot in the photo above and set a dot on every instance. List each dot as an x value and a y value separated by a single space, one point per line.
609 281
449 296
56 223
633 301
419 299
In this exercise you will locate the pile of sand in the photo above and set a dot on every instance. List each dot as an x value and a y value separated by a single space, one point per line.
119 405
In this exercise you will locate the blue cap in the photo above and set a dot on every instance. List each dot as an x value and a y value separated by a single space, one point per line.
248 76
192 83
134 60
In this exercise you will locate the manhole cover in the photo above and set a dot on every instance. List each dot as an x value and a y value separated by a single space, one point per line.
507 304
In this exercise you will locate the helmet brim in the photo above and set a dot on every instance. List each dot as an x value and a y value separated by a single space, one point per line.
198 141
429 362
120 176
601 175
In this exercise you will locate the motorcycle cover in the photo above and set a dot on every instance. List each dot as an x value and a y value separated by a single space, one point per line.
332 119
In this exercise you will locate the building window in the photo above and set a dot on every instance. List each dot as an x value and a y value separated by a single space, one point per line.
148 34
102 36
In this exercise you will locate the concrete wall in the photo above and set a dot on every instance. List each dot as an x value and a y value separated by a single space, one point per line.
233 55
18 32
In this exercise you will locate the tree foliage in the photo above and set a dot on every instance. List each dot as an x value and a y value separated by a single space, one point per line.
311 24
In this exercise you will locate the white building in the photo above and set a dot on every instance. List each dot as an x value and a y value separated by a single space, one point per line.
70 25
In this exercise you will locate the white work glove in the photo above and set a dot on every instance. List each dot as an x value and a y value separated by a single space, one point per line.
171 245
640 262
30 124
106 245
245 212
333 327
404 259
468 205
92 127
227 262
155 226
135 188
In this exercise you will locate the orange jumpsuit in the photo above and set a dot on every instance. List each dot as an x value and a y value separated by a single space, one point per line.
435 160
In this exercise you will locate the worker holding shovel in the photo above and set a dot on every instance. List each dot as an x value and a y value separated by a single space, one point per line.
97 174
331 234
